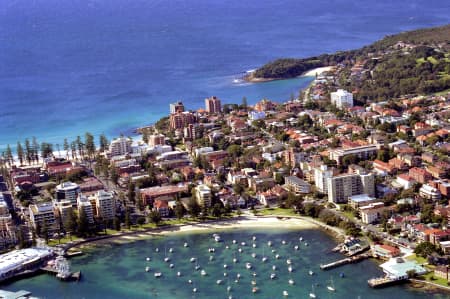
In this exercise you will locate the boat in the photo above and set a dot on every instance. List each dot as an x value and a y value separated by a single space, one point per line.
194 290
243 243
211 257
255 290
254 274
234 241
197 267
218 281
269 243
289 261
248 265
285 293
341 275
311 272
178 273
235 260
227 247
228 289
186 244
217 238
254 245
330 287
306 244
290 269
300 239
296 247
277 256
273 276
147 269
225 266
225 274
167 259
312 294
283 242
171 266
190 281
253 255
240 249
203 273
254 282
254 238
193 259
238 275
147 259
291 282
211 250
274 267
170 249
158 274
264 259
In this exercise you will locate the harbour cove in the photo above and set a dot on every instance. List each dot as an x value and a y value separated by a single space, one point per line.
127 267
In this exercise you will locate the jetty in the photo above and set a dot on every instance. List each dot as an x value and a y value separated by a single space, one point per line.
380 282
61 269
345 261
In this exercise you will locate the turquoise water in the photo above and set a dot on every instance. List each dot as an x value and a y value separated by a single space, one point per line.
107 66
118 271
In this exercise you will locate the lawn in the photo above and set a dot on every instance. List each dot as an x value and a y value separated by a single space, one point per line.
54 242
420 260
277 212
432 278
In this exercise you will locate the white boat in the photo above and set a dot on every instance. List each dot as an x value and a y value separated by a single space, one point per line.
234 241
254 238
274 267
254 274
171 250
269 243
274 250
277 256
197 267
186 244
227 247
217 238
243 243
203 273
291 282
254 245
178 273
273 276
190 281
253 255
238 275
290 269
147 259
171 266
211 257
147 269
312 294
248 265
285 293
240 249
264 259
255 290
283 242
253 282
194 290
296 247
289 261
235 260
167 259
193 259
306 243
225 274
218 281
311 272
301 238
158 274
330 287
157 249
228 289
225 266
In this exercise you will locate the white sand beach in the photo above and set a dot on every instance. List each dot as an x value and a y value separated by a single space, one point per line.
318 71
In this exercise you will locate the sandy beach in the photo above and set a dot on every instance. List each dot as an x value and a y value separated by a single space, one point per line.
318 71
243 222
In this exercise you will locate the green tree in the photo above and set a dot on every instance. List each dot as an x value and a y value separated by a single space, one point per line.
132 192
127 219
28 151
103 143
179 210
83 223
66 147
193 207
424 249
155 217
140 221
20 153
116 223
89 144
9 155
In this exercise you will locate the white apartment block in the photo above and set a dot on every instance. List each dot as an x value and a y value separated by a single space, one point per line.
203 195
105 205
68 191
120 146
341 187
43 214
342 98
85 205
321 175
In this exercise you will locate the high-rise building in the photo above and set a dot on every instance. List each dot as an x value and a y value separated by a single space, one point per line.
157 139
64 210
341 187
67 191
213 105
321 175
176 107
85 205
203 195
120 146
105 204
342 98
43 215
180 120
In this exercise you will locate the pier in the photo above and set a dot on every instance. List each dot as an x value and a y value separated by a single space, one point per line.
70 276
345 261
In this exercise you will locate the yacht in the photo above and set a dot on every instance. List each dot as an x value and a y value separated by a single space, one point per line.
240 249
167 259
269 243
254 245
234 241
186 244
170 249
197 267
147 259
194 290
312 294
190 281
158 274
238 275
203 273
289 261
225 266
218 281
291 282
147 269
171 266
255 290
264 259
273 276
248 265
254 238
178 273
243 243
217 238
290 269
193 259
211 257
274 267
254 282
283 242
330 287
253 255
285 293
235 260
277 256
311 272
157 249
296 247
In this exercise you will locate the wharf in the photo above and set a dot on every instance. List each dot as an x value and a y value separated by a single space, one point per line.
73 254
345 261
75 276
380 282
15 295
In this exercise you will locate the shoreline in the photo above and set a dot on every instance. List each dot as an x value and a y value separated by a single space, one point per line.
242 222
311 73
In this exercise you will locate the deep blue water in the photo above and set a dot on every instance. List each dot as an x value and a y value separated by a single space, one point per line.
67 67
118 271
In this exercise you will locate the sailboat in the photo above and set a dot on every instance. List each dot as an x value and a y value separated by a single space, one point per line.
312 294
330 287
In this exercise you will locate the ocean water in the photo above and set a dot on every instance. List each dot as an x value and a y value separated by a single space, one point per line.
108 66
118 271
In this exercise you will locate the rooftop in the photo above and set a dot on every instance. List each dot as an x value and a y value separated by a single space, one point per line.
17 258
